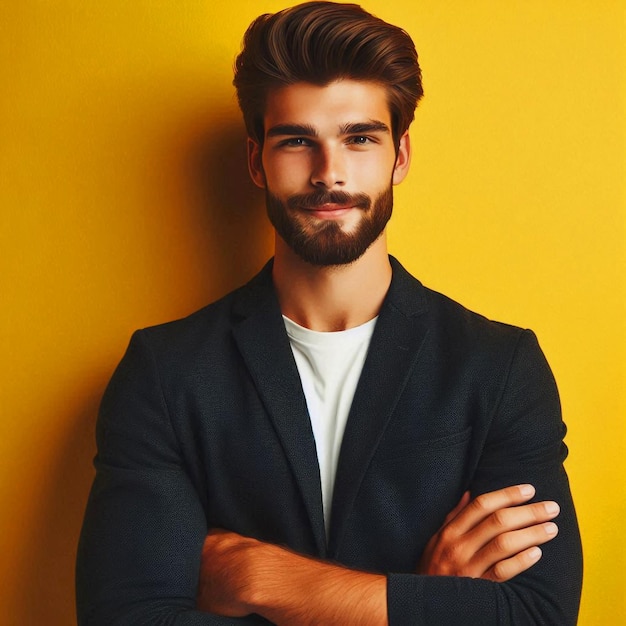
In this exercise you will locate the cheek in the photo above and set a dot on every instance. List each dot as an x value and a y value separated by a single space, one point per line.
287 174
374 172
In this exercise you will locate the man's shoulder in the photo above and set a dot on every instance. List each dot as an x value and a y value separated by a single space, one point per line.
445 315
459 337
212 323
462 321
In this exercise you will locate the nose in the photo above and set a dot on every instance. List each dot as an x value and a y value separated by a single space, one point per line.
329 168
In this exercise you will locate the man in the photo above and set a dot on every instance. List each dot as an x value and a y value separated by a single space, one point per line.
332 443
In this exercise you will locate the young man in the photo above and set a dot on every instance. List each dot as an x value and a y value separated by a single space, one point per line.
332 443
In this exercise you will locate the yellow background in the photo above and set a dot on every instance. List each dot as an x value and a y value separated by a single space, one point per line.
124 203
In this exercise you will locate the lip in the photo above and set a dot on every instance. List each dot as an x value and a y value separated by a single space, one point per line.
330 211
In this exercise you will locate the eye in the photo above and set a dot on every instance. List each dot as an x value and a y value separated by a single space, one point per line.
295 142
360 140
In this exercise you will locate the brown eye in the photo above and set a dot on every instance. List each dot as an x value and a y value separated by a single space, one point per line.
360 140
295 142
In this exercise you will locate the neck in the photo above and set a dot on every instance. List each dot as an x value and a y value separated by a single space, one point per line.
332 298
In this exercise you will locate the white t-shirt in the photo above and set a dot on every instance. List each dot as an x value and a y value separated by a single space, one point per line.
330 366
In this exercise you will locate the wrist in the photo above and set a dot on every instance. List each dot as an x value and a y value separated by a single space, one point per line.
272 574
296 590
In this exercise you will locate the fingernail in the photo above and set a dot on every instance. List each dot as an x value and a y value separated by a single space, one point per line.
534 554
551 528
527 490
552 508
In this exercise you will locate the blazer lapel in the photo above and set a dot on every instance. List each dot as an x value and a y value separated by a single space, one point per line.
262 340
393 351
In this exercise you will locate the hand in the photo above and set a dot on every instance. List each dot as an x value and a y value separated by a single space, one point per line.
492 536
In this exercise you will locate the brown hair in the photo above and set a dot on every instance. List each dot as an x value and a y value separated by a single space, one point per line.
318 42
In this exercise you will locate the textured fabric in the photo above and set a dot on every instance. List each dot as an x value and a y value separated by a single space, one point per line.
329 365
204 424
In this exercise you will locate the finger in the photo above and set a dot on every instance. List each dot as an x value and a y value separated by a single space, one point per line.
512 518
487 503
463 502
495 532
507 545
509 568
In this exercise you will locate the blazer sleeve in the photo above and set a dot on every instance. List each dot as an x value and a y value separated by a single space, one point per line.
139 551
524 445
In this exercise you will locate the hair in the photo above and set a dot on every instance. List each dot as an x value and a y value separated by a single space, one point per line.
320 42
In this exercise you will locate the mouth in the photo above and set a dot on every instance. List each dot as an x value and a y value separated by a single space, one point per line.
330 210
328 205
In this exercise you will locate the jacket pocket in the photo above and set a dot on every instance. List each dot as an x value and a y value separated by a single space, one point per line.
421 447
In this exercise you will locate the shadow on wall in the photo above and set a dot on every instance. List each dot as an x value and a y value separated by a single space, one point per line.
48 566
226 211
238 232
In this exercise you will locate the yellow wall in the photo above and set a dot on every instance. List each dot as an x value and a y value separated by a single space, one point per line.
122 205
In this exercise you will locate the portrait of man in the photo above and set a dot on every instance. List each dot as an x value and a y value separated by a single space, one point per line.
332 442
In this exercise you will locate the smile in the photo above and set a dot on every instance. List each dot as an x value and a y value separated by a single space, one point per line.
330 211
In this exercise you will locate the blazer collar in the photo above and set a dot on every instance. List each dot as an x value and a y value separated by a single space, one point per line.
406 293
393 352
261 337
260 334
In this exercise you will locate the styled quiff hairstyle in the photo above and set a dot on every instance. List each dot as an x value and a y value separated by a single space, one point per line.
319 42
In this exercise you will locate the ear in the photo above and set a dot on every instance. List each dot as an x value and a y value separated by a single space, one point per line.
255 163
403 160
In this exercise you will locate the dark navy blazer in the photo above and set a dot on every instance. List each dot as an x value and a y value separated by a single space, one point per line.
204 424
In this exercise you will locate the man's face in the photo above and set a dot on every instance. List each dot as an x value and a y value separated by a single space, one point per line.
328 164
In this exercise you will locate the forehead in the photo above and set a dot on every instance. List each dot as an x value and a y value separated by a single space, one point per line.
335 104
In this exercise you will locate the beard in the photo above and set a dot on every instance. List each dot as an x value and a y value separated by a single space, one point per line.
323 242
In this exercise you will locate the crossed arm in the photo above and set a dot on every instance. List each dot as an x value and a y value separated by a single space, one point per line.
494 536
146 526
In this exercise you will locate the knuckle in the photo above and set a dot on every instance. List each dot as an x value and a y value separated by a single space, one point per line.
481 503
502 543
500 572
542 511
538 512
448 535
452 556
500 519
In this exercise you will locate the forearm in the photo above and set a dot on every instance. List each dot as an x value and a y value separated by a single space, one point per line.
241 576
302 591
435 600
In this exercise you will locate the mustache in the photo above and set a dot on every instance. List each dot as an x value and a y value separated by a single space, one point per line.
320 197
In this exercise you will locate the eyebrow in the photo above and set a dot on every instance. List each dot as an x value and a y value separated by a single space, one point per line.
301 130
358 128
306 130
